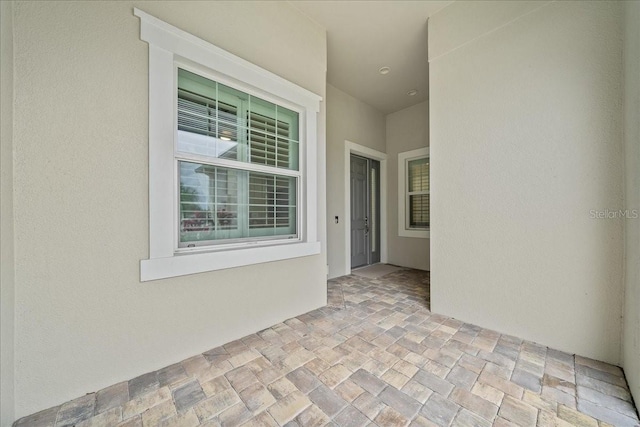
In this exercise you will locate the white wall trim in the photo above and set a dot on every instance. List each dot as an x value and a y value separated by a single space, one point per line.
181 265
370 153
403 159
172 39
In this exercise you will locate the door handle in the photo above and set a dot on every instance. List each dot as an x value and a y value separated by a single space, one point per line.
366 225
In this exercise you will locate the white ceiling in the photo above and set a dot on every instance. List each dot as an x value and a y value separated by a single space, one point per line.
363 36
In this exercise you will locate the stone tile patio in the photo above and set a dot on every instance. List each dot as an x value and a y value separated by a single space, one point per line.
375 355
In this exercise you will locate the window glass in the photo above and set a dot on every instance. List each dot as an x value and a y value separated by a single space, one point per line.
208 203
418 193
272 205
219 203
419 211
219 121
419 175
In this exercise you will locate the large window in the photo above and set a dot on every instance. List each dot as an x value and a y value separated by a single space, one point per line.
413 193
232 159
237 160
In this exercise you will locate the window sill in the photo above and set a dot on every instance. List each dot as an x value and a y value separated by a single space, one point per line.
184 264
419 234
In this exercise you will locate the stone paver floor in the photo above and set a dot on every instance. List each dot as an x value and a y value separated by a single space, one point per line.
375 355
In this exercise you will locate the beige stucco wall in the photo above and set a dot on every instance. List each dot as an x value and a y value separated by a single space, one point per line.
407 130
464 21
631 337
526 140
83 319
7 288
352 120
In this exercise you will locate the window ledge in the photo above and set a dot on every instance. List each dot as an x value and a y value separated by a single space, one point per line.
420 234
184 264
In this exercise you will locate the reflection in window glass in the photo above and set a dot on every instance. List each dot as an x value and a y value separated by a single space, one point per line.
219 203
218 121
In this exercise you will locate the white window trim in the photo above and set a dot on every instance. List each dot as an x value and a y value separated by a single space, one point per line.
168 45
403 161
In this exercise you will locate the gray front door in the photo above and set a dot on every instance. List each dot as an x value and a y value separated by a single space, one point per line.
359 212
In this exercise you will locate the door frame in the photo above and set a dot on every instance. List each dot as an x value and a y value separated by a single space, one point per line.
362 151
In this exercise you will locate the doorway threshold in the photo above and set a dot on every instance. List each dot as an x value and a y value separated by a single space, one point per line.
375 271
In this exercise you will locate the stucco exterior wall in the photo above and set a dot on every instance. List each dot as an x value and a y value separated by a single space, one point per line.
7 272
631 333
407 130
525 144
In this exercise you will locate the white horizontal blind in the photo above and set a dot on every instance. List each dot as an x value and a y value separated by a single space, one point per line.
195 113
268 140
418 192
215 120
271 201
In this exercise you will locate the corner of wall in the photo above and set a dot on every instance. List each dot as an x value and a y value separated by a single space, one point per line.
407 129
7 283
631 106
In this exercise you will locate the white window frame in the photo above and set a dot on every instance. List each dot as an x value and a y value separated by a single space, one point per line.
169 46
403 196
